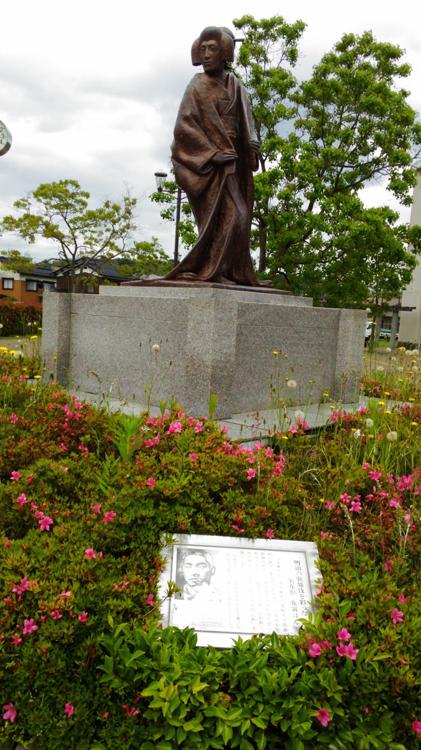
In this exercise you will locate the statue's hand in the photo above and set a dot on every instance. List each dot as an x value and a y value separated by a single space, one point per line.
222 157
254 160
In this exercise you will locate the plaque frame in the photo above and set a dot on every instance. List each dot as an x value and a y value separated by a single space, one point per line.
220 607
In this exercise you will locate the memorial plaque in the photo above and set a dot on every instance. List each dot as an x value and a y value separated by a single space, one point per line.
231 587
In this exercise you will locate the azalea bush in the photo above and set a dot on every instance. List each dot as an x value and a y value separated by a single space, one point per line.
87 499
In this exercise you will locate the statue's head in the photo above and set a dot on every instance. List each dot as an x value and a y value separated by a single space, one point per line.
222 37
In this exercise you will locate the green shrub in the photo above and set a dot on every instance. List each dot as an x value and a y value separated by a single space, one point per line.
86 499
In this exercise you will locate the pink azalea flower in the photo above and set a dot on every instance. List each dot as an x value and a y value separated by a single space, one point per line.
315 649
388 566
65 594
90 554
303 424
9 712
397 616
279 466
22 499
349 650
355 507
269 452
395 502
402 599
83 617
29 626
345 498
56 614
329 504
251 473
198 427
415 726
69 709
270 534
96 508
13 418
237 528
376 475
193 457
16 640
15 476
293 429
323 716
44 523
130 710
150 600
174 427
343 635
150 482
108 516
405 482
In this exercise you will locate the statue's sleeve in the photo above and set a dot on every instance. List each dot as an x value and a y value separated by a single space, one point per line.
192 147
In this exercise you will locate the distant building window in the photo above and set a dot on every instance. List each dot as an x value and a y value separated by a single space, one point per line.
31 286
7 283
47 285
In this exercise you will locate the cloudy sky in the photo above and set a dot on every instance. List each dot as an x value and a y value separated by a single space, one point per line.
90 88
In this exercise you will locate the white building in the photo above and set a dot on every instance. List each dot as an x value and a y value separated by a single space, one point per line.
410 322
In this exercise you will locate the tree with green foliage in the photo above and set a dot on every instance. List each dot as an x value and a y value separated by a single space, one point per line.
14 260
322 141
144 259
167 198
59 211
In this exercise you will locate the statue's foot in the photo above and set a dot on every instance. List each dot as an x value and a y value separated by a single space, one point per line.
224 280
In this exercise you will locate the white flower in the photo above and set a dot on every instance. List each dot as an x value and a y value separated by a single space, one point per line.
156 348
388 349
380 368
291 383
369 422
392 436
299 415
409 353
357 433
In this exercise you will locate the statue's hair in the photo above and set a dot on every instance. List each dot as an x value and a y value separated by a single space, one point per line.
224 36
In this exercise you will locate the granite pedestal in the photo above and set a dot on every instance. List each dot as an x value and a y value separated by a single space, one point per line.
154 344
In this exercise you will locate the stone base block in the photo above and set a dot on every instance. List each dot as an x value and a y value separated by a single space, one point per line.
153 344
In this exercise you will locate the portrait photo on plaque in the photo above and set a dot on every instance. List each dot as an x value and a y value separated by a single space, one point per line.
229 587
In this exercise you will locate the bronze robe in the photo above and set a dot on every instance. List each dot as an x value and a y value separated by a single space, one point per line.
216 116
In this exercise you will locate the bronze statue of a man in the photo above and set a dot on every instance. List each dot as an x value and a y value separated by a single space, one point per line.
214 153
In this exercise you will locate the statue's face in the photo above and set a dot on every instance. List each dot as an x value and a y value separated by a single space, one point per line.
211 56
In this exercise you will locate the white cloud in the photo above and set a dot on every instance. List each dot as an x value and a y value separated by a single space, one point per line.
90 90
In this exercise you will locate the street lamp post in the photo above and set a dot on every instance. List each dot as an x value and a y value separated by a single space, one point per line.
5 139
160 178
